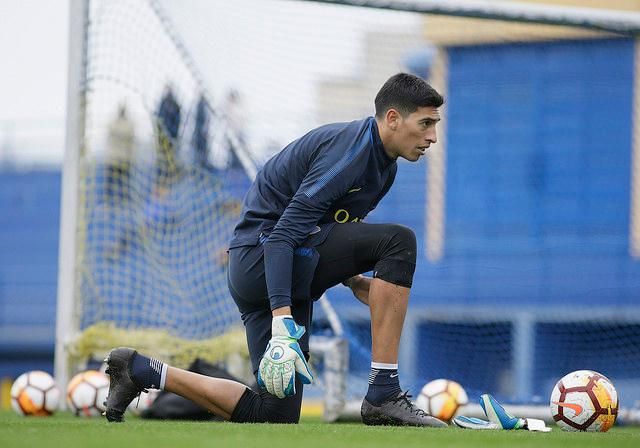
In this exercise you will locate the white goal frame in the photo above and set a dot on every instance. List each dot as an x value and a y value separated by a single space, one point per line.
67 319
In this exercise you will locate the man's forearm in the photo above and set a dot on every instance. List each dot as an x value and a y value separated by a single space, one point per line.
278 267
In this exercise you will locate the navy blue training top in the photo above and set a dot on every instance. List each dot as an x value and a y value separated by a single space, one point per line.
334 174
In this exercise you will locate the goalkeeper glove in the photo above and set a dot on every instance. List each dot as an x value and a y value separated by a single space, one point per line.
283 358
499 418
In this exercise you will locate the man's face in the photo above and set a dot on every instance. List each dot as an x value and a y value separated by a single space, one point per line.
414 133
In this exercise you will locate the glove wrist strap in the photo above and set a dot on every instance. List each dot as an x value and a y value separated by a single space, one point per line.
286 326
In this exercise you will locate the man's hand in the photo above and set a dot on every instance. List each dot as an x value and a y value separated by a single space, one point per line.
283 358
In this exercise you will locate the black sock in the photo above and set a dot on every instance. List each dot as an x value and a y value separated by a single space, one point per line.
148 373
383 383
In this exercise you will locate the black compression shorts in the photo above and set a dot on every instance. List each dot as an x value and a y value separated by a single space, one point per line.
389 250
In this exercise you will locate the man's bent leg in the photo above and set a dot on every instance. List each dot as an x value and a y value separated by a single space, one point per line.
388 307
390 251
385 403
248 289
263 407
388 300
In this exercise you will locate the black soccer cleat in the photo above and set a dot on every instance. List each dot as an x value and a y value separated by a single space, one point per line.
398 411
122 388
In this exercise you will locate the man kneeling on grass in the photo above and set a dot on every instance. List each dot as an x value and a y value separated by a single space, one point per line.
300 234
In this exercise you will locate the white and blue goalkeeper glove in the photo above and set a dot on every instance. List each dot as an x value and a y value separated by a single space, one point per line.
283 358
499 418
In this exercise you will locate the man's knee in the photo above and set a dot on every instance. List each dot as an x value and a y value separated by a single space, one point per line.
403 241
397 261
285 416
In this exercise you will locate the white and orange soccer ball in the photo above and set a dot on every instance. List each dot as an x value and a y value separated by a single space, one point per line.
442 398
87 392
143 401
584 400
35 393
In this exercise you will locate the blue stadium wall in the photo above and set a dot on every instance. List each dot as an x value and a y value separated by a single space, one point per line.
536 259
536 279
29 226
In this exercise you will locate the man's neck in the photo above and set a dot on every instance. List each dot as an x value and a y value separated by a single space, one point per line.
386 137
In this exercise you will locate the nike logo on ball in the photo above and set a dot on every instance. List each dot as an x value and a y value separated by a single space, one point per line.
574 407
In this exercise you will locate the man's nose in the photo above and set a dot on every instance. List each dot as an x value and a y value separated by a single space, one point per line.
431 136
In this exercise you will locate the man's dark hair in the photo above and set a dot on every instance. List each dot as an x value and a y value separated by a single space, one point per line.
406 93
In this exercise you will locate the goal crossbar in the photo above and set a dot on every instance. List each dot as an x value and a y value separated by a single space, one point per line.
620 22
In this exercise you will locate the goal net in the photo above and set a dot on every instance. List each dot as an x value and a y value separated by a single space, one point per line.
526 211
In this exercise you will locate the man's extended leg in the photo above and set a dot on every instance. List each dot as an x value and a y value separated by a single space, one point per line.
131 373
217 395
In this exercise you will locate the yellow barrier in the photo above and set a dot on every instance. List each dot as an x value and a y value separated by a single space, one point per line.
5 393
312 408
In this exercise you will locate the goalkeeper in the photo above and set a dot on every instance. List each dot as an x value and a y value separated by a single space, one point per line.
300 234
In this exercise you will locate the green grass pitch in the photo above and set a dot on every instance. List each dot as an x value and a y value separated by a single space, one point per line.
67 431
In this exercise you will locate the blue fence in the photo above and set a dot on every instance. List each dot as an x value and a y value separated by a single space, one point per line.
29 226
536 278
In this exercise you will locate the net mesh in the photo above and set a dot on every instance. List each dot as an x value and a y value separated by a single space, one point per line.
161 184
526 265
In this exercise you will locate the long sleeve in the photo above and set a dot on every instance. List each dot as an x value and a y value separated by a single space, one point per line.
329 177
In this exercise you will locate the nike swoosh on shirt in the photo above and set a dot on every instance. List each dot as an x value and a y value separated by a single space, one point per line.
574 407
353 190
393 375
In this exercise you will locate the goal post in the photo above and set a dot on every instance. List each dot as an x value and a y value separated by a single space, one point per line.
67 319
526 218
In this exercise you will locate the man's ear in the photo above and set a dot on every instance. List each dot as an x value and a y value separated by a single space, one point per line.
392 117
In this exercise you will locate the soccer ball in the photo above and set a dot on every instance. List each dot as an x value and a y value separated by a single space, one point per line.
584 401
35 393
87 392
442 398
143 402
